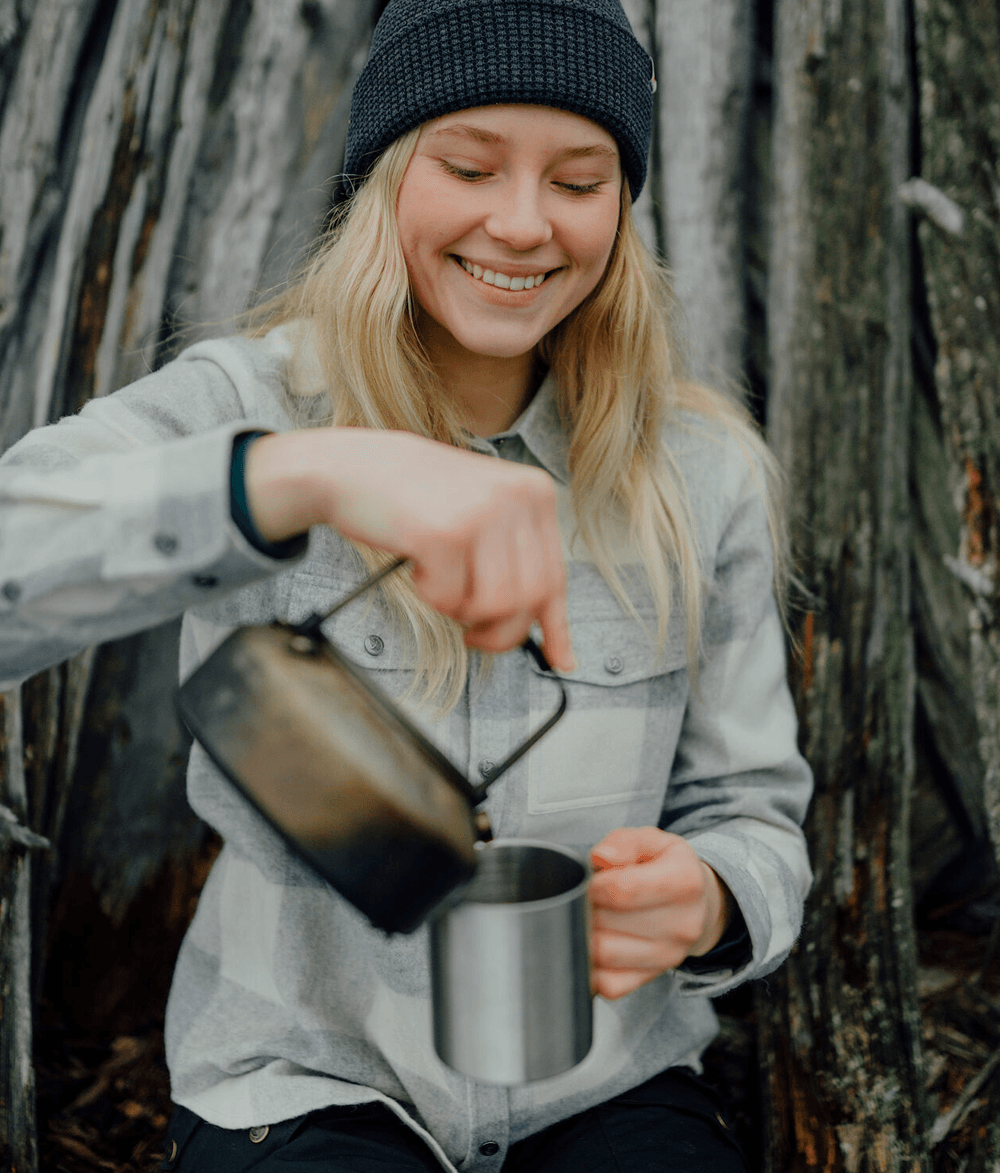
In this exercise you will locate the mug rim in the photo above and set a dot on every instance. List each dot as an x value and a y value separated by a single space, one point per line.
543 902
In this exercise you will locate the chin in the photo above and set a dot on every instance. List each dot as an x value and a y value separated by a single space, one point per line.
490 346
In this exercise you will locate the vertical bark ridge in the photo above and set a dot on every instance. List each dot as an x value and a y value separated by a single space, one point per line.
841 1028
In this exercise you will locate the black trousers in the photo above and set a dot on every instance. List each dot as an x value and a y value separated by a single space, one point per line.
671 1124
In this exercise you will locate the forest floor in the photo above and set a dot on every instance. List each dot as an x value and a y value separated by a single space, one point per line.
104 1103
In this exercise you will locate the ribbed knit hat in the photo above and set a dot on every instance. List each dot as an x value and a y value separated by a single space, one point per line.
432 57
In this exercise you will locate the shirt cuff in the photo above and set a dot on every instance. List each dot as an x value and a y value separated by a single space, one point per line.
240 510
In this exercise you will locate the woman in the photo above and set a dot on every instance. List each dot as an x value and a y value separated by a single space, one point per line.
484 295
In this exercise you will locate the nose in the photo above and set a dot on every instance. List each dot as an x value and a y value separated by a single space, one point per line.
518 218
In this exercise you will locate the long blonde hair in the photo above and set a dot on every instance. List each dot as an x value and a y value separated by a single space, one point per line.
617 387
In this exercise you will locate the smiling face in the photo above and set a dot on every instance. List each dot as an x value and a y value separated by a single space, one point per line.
507 217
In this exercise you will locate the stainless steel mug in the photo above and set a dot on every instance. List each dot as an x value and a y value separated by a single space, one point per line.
510 965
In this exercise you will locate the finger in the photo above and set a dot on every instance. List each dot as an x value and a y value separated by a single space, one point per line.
501 636
671 878
627 845
556 642
551 611
494 590
624 951
443 581
675 927
616 983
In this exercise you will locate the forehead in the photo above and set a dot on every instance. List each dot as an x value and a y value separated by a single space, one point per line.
515 126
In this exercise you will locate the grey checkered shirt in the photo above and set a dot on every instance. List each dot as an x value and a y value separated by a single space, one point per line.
284 999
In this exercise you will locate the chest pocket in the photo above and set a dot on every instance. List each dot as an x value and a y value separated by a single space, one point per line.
616 742
363 631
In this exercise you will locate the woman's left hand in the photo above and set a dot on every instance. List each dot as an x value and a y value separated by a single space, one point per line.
654 904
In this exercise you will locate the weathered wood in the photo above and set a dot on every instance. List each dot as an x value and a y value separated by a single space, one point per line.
270 152
986 1146
959 194
949 821
52 708
840 1029
18 1148
705 62
642 15
161 160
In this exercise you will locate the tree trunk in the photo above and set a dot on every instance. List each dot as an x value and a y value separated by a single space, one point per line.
958 193
163 160
840 1028
18 1149
705 67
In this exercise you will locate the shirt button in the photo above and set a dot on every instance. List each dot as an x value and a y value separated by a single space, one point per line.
259 1134
486 768
614 665
489 1149
166 543
374 645
11 591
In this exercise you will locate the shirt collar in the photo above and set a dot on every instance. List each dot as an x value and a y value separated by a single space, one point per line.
541 431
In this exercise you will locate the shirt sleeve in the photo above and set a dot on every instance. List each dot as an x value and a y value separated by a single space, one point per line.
120 517
739 788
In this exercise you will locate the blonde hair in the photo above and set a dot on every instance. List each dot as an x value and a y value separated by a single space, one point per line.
617 387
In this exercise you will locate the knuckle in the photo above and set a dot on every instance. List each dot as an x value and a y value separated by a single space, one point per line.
621 892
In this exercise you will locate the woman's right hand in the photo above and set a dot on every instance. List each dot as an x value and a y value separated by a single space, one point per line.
481 533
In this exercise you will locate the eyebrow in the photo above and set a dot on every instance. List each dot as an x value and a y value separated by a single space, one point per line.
491 138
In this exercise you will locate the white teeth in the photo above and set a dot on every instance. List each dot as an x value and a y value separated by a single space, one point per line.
501 280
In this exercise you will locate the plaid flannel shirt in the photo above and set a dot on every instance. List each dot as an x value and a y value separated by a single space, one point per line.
284 999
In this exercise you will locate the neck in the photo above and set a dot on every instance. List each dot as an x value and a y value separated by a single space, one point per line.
490 392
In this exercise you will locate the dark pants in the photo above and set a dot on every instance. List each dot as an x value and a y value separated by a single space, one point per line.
672 1124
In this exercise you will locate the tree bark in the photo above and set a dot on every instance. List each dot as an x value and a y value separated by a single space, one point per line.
705 67
840 1028
18 1148
162 162
958 193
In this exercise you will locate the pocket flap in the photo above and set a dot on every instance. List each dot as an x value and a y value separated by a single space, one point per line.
362 631
613 652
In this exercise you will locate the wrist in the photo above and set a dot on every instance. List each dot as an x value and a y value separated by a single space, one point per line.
720 904
285 484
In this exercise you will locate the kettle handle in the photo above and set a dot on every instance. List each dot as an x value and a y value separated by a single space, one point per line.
310 627
538 656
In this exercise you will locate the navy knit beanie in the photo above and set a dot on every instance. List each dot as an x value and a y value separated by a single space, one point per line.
432 57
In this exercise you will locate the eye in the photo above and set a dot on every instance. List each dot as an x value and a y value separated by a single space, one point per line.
582 188
466 173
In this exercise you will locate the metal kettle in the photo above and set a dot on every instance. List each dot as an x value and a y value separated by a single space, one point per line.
338 770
